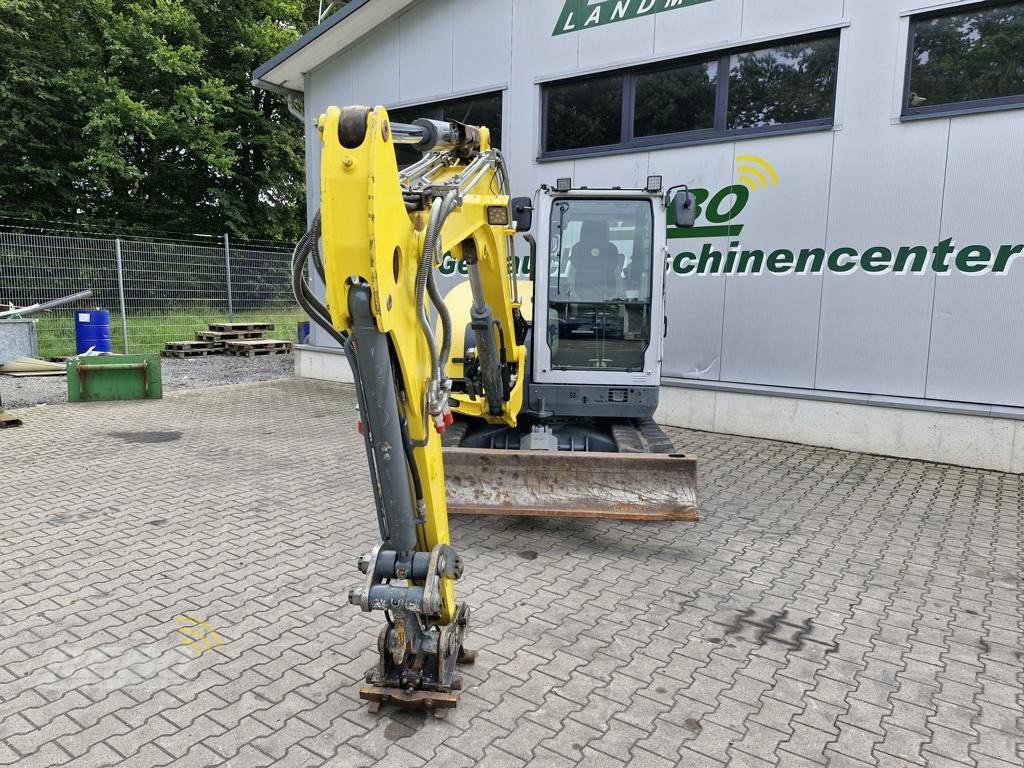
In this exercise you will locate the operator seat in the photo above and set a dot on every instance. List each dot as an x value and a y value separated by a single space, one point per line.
596 264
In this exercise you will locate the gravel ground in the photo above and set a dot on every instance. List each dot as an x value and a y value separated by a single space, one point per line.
189 373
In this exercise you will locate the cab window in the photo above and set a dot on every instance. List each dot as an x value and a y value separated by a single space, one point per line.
599 289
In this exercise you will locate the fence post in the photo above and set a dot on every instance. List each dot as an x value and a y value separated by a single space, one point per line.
227 266
120 294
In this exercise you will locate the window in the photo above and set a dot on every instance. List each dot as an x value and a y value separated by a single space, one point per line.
484 109
676 100
965 60
588 113
789 86
599 289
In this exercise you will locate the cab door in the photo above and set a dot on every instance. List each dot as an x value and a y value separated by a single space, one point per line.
599 288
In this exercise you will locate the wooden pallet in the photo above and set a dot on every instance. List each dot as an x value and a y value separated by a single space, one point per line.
183 353
222 336
257 347
180 349
188 346
235 327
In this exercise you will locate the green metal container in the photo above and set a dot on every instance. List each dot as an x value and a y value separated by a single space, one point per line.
114 377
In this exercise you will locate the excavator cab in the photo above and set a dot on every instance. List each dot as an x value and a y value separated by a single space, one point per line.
601 297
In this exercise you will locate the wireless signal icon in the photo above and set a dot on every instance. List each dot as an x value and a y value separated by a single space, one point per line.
755 172
198 635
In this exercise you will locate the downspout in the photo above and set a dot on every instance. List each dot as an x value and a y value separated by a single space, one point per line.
293 110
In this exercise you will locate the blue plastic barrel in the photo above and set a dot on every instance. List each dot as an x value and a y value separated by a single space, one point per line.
92 329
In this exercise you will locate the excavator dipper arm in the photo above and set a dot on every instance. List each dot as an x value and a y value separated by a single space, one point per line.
383 233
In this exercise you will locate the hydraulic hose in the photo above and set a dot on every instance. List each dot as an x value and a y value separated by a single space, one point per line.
506 189
435 294
307 247
439 212
422 271
446 318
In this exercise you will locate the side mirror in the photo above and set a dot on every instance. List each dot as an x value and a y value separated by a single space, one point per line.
684 206
522 213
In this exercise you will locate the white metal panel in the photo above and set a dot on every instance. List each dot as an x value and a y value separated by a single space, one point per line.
771 321
694 309
695 304
887 189
521 139
374 67
535 52
329 85
621 40
977 349
698 26
425 34
873 62
612 171
482 43
788 17
330 39
318 337
312 169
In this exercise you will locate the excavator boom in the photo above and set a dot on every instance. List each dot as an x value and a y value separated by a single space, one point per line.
384 232
383 235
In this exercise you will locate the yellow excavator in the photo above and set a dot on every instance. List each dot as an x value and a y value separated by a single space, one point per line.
504 397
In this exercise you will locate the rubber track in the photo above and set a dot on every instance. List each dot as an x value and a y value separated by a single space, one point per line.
452 437
655 438
628 438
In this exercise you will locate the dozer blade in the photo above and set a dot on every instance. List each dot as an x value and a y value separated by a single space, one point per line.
616 486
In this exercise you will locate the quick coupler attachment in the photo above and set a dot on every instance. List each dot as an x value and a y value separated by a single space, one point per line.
418 653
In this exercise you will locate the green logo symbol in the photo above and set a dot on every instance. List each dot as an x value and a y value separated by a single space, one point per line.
584 14
716 214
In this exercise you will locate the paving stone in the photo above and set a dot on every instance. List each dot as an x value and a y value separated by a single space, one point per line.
830 608
446 757
524 739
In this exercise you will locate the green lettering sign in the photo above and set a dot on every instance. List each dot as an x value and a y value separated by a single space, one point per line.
584 14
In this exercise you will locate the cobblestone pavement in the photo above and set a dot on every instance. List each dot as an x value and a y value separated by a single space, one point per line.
831 609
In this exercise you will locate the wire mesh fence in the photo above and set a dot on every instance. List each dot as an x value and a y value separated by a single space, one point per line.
157 289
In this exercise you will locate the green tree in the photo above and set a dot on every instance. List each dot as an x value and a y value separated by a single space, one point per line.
141 115
43 100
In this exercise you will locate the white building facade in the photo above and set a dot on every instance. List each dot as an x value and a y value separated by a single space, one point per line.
857 162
